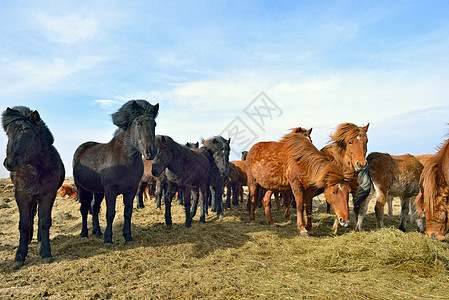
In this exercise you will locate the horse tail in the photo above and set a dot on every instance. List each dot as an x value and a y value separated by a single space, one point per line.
363 189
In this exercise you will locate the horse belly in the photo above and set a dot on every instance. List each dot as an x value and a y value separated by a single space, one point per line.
270 177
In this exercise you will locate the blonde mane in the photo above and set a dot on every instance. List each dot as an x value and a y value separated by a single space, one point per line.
343 134
319 170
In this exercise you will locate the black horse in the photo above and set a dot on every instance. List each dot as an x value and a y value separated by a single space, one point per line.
185 169
36 171
116 167
216 149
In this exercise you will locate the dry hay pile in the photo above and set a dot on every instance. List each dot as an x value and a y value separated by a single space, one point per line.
226 258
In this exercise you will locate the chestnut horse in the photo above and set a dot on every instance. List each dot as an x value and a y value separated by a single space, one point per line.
390 176
146 181
348 148
68 190
116 167
36 171
295 165
433 200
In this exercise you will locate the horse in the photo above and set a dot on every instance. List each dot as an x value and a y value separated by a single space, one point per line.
68 190
348 147
108 170
433 199
390 176
241 168
37 171
185 169
147 180
216 149
423 158
232 183
295 165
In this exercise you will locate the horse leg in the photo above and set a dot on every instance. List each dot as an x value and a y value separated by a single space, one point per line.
228 195
45 207
390 206
194 207
414 218
405 201
26 215
187 194
98 198
111 198
235 193
128 199
266 204
140 194
286 199
202 198
169 194
213 204
85 205
278 202
219 199
308 197
299 198
39 234
252 201
381 199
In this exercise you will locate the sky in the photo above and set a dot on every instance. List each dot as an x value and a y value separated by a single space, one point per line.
248 70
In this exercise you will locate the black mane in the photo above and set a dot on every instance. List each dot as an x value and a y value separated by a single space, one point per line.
23 113
131 110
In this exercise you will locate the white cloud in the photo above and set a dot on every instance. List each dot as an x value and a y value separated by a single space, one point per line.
69 29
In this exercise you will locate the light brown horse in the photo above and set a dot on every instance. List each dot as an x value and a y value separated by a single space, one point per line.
68 190
295 165
433 200
390 176
348 148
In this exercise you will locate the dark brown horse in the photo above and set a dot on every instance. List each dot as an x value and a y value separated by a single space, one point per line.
348 148
116 167
232 183
295 165
185 169
390 176
216 149
36 171
433 200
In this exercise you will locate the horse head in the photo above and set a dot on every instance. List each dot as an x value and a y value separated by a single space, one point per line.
337 195
137 117
351 142
163 156
25 131
219 147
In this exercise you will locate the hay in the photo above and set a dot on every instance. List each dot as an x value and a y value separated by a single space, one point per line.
222 259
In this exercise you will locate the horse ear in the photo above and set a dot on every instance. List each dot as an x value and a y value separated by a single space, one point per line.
366 127
229 141
309 131
156 109
134 104
35 118
197 145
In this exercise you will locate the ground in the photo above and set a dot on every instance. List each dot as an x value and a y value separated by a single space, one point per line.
228 258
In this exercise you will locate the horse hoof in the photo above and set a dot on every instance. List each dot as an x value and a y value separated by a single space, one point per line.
47 260
289 221
129 243
108 245
220 216
17 265
304 233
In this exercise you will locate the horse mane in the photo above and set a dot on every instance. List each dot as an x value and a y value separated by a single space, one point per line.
296 130
216 143
433 180
131 110
23 113
344 133
319 170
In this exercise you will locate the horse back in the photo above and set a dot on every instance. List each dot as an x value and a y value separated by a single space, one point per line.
267 165
241 168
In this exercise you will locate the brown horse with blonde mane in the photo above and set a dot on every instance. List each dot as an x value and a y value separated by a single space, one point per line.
295 165
433 200
348 148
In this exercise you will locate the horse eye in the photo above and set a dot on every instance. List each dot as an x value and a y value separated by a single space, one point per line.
350 143
334 193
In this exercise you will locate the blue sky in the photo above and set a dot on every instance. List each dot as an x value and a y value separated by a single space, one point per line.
320 63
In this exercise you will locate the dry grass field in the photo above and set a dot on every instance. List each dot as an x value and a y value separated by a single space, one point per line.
222 259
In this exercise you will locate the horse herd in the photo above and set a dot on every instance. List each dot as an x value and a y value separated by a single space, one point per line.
292 167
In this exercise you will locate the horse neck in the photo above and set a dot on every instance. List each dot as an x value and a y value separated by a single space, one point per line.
124 146
180 156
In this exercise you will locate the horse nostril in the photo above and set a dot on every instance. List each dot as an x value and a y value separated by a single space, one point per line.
433 236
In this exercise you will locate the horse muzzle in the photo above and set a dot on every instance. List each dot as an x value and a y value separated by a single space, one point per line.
150 153
10 165
343 223
436 236
359 167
